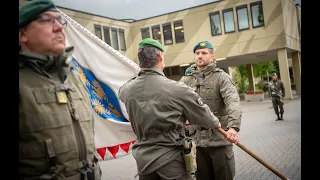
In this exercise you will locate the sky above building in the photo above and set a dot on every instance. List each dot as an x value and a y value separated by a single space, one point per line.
131 9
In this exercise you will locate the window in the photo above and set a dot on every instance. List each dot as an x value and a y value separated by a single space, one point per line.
106 33
178 31
242 15
215 23
167 71
228 20
97 31
122 40
257 14
114 33
156 33
167 34
176 71
145 32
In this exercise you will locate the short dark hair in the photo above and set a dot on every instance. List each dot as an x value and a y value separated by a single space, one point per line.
148 56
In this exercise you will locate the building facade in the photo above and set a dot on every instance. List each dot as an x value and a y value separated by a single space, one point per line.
241 31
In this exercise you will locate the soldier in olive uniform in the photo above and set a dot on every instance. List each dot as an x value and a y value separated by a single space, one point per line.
214 153
56 138
276 93
158 108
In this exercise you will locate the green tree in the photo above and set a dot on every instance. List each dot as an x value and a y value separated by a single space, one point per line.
241 78
263 69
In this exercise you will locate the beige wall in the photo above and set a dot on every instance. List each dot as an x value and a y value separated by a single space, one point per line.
196 24
290 24
88 21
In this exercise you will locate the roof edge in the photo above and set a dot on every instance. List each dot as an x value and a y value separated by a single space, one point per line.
137 20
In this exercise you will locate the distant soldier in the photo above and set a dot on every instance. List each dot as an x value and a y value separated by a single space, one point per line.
276 94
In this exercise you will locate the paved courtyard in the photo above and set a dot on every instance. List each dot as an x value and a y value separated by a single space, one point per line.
276 142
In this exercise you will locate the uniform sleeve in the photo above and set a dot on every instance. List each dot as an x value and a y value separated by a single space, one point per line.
196 111
231 100
183 79
122 90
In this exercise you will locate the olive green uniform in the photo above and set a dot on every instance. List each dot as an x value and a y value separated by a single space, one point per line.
158 108
215 157
56 138
277 92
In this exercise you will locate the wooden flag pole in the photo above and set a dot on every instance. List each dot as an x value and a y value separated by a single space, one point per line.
278 173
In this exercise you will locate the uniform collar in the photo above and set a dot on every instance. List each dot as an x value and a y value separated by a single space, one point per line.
157 70
206 70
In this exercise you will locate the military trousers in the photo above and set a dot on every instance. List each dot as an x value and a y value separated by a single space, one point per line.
277 104
215 163
174 170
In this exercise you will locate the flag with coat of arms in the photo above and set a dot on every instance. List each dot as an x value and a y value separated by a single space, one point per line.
103 70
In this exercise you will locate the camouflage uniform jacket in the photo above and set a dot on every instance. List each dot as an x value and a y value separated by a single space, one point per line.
158 108
275 87
218 91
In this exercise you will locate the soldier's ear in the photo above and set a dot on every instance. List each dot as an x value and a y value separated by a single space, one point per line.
22 36
160 56
212 57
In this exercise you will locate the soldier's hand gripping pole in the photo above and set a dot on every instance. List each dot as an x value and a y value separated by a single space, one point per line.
278 173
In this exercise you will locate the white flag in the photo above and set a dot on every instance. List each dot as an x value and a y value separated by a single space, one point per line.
103 70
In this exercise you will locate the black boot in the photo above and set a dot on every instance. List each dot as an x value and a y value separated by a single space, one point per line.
278 118
281 118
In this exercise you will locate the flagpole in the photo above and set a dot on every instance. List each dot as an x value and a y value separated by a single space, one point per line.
278 173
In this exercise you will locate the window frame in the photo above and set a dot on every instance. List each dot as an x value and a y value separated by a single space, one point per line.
253 4
212 14
124 39
242 7
224 24
164 41
97 26
156 27
143 29
108 29
116 30
175 37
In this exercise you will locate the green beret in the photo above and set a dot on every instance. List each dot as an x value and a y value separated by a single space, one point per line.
31 10
150 42
201 45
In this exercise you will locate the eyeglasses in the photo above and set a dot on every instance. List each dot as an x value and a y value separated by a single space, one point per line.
45 18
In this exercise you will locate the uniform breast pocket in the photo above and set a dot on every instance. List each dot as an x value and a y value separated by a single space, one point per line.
41 111
209 91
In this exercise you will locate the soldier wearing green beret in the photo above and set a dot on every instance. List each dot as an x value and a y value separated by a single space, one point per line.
214 153
158 108
276 94
56 138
